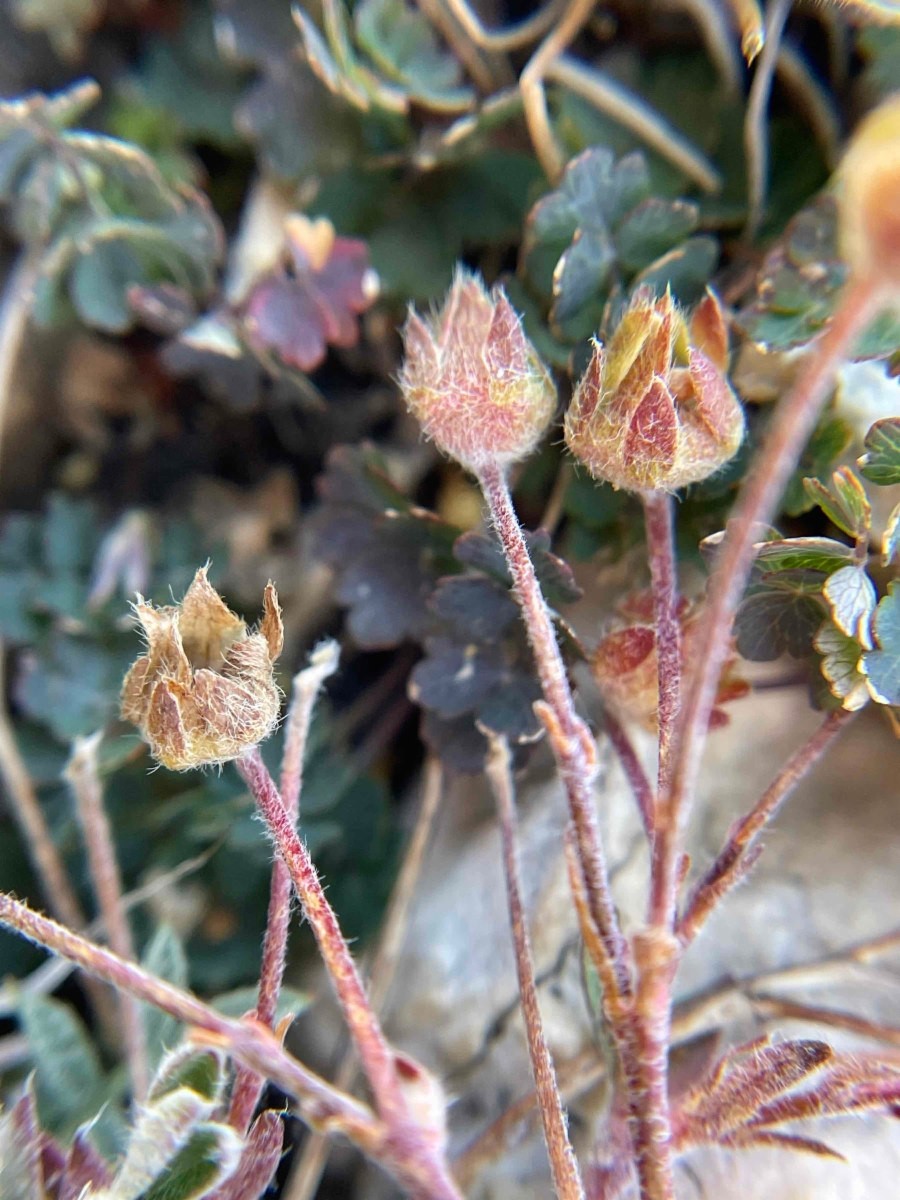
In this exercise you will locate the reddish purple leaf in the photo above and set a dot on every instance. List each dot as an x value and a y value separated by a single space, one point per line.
84 1164
313 298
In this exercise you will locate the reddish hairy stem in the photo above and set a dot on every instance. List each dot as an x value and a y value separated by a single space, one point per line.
792 424
323 662
566 1177
641 1027
407 1142
307 1172
739 853
570 737
664 576
84 779
248 1041
375 1054
644 795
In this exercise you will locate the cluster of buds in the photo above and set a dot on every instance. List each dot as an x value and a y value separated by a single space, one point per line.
204 692
654 410
625 668
474 381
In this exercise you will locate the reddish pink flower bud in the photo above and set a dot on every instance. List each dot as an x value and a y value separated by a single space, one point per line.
654 409
473 380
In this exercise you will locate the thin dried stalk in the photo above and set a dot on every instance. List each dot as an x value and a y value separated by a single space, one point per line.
307 683
83 776
815 101
531 84
45 858
573 1078
756 140
523 33
308 1172
564 1168
737 857
15 314
792 424
608 95
486 70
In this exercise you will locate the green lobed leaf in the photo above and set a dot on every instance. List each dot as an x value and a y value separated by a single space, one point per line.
881 666
850 595
881 462
780 621
890 540
844 502
803 553
69 1077
840 666
210 1157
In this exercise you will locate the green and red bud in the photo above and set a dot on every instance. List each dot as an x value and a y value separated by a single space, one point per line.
473 380
655 410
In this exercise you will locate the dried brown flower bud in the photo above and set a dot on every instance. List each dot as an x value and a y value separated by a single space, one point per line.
870 195
204 691
473 379
625 667
654 409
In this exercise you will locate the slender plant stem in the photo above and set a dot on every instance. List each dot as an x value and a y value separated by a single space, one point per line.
531 84
756 145
639 1025
644 794
627 108
374 1052
739 853
45 857
639 1021
407 1139
574 1078
570 737
792 424
664 576
308 1172
566 1177
323 662
248 1041
15 314
655 948
513 38
83 776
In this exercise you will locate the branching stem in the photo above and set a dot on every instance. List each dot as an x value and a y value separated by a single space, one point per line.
323 662
739 853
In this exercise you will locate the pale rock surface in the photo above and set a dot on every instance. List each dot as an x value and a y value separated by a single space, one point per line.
830 876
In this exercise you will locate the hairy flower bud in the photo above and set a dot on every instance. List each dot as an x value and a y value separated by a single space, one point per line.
870 195
473 380
204 691
654 409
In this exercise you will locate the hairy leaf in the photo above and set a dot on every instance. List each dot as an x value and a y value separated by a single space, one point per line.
843 502
164 956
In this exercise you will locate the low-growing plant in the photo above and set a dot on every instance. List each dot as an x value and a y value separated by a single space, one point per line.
152 1093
